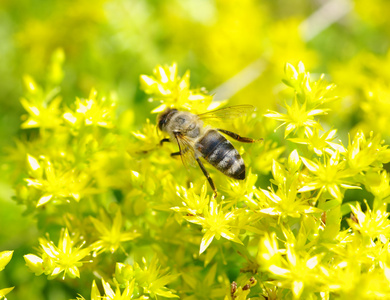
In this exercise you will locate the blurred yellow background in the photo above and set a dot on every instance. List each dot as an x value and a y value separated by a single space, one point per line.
108 44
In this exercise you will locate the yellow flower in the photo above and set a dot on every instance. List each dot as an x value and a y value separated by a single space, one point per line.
308 97
320 143
371 223
91 112
111 237
174 91
286 202
43 109
151 278
193 203
56 183
215 223
117 295
378 184
291 268
328 176
297 116
364 153
65 257
109 293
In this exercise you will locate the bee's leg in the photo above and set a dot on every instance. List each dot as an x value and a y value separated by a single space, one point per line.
163 141
237 137
209 179
179 153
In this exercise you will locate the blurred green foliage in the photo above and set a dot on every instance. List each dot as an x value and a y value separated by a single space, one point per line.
56 54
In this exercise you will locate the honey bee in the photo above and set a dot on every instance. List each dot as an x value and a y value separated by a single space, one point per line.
196 140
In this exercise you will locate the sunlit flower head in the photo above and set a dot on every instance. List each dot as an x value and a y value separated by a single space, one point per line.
328 176
91 112
65 258
111 237
171 90
216 223
57 183
320 143
371 223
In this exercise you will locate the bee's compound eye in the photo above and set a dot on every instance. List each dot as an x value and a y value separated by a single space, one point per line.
161 123
192 126
164 118
180 120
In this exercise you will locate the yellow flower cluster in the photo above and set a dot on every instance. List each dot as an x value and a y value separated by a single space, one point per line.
111 187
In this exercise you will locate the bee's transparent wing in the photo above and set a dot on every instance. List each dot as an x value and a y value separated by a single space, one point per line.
186 149
226 113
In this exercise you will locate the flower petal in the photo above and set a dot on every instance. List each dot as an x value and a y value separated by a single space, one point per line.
206 241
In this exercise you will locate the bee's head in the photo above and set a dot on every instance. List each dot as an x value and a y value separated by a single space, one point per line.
164 117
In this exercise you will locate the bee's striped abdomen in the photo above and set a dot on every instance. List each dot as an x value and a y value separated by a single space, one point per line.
220 153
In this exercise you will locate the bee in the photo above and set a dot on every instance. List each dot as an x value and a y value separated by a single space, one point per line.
197 140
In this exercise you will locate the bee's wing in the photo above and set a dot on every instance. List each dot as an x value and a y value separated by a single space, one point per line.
226 113
187 152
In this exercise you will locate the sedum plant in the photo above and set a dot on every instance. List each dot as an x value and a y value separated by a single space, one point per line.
122 218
